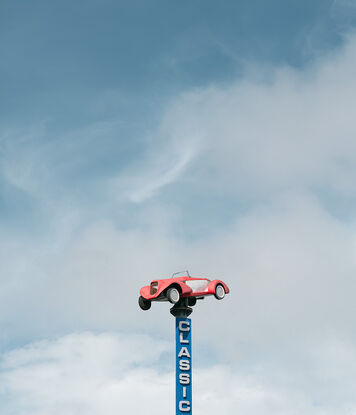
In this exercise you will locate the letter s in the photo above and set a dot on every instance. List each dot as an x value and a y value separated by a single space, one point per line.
184 378
184 364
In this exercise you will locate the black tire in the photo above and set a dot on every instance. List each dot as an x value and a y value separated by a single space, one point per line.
192 301
219 292
143 303
173 295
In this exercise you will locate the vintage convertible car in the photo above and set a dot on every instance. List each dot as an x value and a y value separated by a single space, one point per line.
176 288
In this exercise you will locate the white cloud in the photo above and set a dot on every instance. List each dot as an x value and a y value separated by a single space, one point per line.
21 163
83 372
282 137
290 267
276 130
112 373
149 183
279 141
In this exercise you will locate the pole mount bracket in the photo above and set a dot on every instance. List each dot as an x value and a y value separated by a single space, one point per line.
181 309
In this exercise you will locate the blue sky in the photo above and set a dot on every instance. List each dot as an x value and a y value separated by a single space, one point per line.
145 53
70 70
141 138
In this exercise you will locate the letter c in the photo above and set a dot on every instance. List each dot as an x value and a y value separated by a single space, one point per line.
186 407
181 326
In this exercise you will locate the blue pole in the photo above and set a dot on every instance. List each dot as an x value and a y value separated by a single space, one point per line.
183 366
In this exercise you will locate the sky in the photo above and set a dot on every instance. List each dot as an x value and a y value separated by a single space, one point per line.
141 138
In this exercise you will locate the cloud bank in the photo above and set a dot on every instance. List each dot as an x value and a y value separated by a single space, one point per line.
113 373
278 149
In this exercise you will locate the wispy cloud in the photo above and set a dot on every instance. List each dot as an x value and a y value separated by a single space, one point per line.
152 182
162 165
280 129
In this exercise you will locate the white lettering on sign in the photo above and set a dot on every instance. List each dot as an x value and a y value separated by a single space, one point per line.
184 406
182 340
184 365
183 352
184 378
181 325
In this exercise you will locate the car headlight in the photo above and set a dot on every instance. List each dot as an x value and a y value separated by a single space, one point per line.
154 287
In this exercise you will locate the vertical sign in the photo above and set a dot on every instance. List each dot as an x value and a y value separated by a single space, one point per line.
184 366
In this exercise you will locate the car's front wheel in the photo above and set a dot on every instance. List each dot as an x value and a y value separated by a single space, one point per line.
143 303
219 292
173 295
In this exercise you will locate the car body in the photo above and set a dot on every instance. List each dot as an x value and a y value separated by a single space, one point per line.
188 287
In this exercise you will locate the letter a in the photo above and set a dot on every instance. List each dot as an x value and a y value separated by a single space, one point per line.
183 352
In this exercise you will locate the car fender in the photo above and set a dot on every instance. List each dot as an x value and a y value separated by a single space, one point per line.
145 292
214 283
162 286
183 287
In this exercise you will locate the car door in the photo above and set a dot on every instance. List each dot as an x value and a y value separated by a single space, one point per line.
199 286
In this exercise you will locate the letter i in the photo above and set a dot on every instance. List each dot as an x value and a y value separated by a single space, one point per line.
184 391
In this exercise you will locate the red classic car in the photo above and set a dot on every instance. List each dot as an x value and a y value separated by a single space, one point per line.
174 289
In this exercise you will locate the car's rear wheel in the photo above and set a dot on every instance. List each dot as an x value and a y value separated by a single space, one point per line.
143 303
192 301
219 292
173 295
